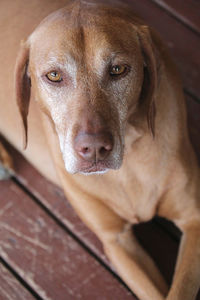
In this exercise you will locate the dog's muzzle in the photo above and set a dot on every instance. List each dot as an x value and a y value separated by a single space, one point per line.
93 150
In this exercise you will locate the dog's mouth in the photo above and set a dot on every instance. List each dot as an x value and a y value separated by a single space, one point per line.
96 168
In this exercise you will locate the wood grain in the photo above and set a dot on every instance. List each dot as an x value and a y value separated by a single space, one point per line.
183 43
46 257
10 288
187 11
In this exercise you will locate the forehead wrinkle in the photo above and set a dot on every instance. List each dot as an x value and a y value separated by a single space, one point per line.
62 62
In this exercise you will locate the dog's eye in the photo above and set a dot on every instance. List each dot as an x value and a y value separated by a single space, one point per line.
54 76
118 70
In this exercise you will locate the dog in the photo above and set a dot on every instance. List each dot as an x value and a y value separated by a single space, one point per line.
104 100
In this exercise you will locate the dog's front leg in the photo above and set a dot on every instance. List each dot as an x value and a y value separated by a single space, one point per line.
135 265
130 260
186 281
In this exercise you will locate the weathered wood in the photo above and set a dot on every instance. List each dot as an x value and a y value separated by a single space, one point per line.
46 257
183 43
187 11
10 288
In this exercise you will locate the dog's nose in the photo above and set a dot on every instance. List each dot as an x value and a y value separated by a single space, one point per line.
93 147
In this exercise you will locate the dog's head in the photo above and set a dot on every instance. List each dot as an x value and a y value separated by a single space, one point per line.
92 69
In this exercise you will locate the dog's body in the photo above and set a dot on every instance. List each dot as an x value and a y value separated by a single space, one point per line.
89 117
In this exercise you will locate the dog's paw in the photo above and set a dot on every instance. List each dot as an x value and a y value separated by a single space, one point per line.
6 164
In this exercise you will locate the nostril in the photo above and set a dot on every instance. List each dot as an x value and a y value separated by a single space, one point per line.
87 153
85 150
103 150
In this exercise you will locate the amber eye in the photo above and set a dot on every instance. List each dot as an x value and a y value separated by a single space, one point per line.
118 70
54 76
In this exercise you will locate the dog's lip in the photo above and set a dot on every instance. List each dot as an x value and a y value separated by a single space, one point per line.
96 168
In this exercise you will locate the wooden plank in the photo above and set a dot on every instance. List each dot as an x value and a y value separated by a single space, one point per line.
159 244
188 11
10 288
183 44
46 257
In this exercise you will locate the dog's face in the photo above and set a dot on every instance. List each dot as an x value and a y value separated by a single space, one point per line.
86 71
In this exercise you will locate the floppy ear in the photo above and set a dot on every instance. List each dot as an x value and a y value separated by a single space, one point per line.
22 87
151 65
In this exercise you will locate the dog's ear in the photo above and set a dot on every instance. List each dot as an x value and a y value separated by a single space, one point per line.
151 65
23 87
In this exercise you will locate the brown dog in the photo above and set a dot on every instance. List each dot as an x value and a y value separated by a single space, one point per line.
106 102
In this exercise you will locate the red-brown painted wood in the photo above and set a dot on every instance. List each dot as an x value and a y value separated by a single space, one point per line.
183 43
46 257
187 11
10 288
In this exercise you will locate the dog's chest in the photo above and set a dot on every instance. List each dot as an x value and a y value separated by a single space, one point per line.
135 203
131 199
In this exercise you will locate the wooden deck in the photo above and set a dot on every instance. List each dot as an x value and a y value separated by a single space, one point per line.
46 252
